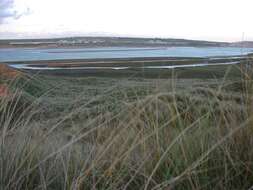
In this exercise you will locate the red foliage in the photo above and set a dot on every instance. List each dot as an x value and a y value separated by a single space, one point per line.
8 73
4 91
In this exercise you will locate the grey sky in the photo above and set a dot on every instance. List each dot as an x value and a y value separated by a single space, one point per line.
216 20
6 9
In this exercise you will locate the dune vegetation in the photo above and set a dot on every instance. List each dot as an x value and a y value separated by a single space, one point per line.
127 132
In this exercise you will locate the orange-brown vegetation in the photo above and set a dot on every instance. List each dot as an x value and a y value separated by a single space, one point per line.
7 72
4 91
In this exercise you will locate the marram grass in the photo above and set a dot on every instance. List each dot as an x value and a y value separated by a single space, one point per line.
131 135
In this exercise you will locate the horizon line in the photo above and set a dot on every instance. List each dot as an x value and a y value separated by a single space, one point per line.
120 36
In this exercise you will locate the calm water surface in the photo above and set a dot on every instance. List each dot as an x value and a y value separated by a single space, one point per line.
29 54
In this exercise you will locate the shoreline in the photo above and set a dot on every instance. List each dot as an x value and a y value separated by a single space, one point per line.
121 60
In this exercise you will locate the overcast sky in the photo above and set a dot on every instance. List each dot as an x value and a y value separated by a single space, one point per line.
221 20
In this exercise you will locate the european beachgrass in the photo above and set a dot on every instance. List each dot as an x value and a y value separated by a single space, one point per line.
196 139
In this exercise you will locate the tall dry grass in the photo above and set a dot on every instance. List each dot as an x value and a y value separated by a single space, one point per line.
197 139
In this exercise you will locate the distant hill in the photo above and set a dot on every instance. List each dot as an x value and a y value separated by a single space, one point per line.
248 44
117 42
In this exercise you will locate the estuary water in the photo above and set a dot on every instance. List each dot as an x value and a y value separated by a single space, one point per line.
40 54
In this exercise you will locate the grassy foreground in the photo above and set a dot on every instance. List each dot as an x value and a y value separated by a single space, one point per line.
127 133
